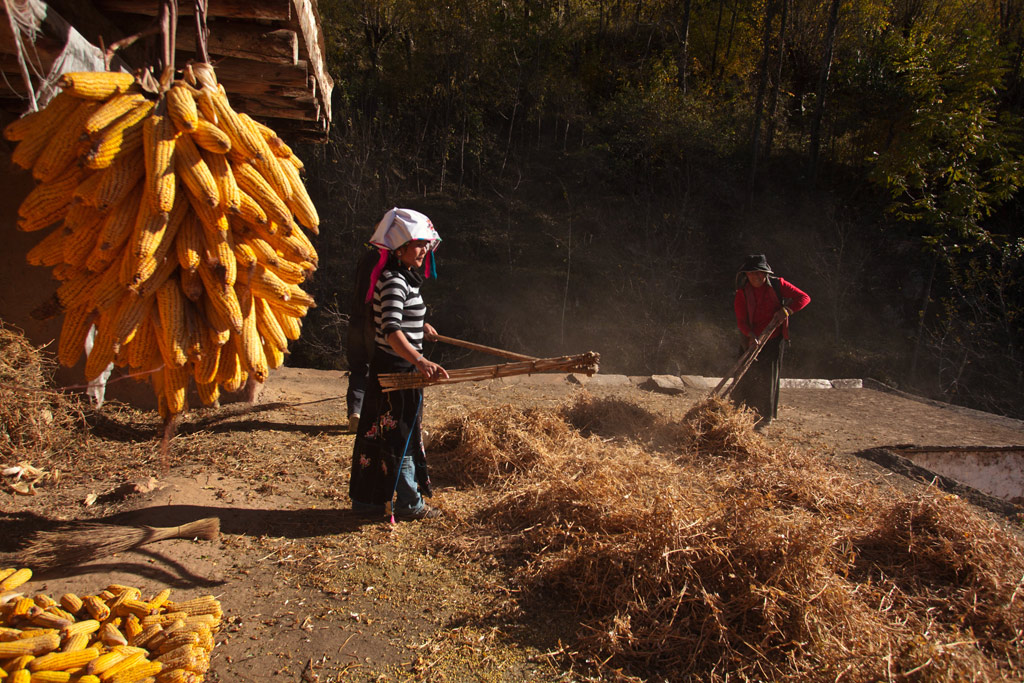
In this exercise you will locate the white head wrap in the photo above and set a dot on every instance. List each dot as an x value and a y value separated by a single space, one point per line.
403 225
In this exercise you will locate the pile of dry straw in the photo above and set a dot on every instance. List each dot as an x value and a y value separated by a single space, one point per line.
697 549
33 416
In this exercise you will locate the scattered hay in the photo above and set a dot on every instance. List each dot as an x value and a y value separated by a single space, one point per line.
760 563
33 417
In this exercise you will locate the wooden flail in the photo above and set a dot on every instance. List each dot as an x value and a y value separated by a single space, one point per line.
582 363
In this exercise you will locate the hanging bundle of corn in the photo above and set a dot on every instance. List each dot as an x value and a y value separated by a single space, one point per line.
113 637
176 226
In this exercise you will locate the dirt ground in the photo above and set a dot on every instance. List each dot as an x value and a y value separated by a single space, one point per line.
313 593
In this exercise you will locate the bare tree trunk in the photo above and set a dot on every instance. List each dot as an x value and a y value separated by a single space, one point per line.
684 47
718 34
773 105
823 78
762 87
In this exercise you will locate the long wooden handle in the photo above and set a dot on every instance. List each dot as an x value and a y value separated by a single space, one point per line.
745 361
483 349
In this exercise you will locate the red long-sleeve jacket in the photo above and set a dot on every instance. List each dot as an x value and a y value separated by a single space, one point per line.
756 306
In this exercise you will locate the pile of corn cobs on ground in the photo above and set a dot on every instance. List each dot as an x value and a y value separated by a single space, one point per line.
111 637
178 231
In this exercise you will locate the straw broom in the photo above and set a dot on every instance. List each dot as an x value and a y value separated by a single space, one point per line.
585 362
78 543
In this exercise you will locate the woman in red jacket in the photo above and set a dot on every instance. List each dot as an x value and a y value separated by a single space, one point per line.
759 298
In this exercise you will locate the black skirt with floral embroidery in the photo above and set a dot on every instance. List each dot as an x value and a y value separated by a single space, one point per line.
389 427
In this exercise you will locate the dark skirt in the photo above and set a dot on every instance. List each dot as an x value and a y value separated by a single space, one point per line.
758 389
389 428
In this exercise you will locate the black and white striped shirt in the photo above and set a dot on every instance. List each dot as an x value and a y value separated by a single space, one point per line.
397 305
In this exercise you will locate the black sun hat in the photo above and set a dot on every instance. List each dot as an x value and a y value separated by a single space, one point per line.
751 264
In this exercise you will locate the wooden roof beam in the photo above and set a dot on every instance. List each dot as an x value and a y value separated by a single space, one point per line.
229 39
271 10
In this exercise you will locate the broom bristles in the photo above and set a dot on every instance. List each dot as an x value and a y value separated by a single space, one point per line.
86 541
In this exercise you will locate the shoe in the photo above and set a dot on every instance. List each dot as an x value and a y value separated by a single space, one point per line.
425 512
353 422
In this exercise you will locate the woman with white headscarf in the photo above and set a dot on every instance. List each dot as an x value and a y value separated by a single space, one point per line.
388 460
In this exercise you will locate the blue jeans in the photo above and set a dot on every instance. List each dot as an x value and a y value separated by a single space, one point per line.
408 498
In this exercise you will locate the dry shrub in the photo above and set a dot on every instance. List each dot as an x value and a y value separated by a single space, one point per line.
750 567
33 417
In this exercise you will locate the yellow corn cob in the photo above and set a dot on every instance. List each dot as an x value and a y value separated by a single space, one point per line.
50 677
156 380
62 661
211 138
95 85
273 353
109 290
44 619
36 645
127 661
171 310
252 182
181 107
251 353
189 243
299 202
75 642
45 198
209 394
160 599
87 678
120 140
292 247
85 193
133 310
120 222
266 162
290 324
43 600
222 297
83 239
140 672
276 144
229 367
19 663
192 285
266 284
176 676
159 143
18 129
19 609
205 371
185 657
40 129
212 219
230 198
134 606
76 290
288 271
111 110
176 387
177 639
93 605
105 595
15 579
49 251
119 180
252 213
217 322
194 173
85 627
268 326
243 139
132 626
152 240
21 676
73 332
148 633
110 636
220 256
65 145
142 348
245 255
165 268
